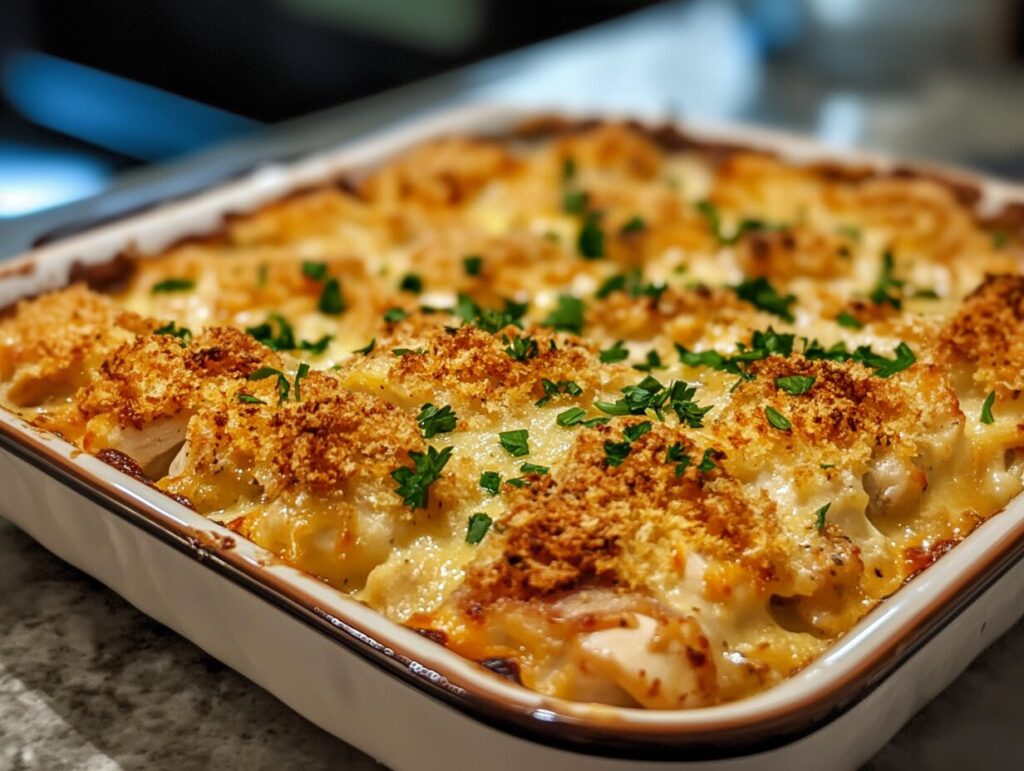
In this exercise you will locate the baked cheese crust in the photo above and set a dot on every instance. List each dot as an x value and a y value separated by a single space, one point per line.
624 417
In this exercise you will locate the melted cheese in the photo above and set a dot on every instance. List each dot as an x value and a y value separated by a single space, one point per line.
665 558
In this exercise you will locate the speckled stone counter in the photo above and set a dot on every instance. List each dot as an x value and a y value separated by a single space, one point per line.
87 682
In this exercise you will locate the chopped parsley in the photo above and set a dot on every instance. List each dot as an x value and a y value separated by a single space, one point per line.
300 373
1000 239
477 528
435 420
283 386
649 397
849 231
491 482
553 389
707 463
281 339
634 432
368 348
489 319
568 169
848 320
317 271
635 225
571 416
408 351
677 454
516 482
888 290
590 242
316 347
575 201
414 483
520 348
763 296
516 443
394 315
777 419
249 399
631 283
184 334
472 264
794 384
651 362
986 409
331 302
533 468
615 453
762 345
903 356
411 282
819 516
567 316
714 220
616 353
173 285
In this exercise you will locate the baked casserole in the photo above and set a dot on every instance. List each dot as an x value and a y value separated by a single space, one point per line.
622 416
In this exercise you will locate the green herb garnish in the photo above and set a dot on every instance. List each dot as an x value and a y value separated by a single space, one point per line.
477 528
986 409
763 296
615 453
414 483
651 362
491 482
571 416
435 420
249 399
888 289
300 373
616 353
316 347
590 242
848 320
794 384
173 285
533 468
677 454
314 270
283 339
777 419
184 334
368 348
635 225
411 282
331 302
707 463
394 315
574 201
472 264
520 348
567 316
516 443
819 516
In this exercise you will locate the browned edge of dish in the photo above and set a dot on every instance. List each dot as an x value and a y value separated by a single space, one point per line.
598 734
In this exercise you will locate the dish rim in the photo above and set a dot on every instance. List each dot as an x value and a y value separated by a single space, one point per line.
831 685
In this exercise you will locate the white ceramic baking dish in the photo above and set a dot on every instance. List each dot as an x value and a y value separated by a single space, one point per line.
401 697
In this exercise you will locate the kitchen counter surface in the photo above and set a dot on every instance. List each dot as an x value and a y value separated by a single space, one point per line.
88 682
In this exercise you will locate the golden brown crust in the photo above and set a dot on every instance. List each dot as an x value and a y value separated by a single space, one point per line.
988 331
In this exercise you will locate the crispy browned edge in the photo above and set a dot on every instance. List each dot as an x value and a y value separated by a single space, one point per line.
111 274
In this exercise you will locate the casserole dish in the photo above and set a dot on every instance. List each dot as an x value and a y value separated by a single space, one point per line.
818 710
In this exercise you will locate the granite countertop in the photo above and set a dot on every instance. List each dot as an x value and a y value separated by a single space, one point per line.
88 682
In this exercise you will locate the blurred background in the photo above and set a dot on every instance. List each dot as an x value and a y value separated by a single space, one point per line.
107 106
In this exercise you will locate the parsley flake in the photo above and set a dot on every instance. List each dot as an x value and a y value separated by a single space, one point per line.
777 419
848 320
707 463
615 453
888 290
516 443
567 316
414 483
173 285
590 242
283 386
300 373
651 362
986 409
394 315
184 334
571 416
677 454
533 468
575 201
763 296
249 399
435 420
795 385
316 271
368 348
491 482
635 225
331 301
316 347
477 528
520 348
616 353
411 282
819 516
472 264
283 339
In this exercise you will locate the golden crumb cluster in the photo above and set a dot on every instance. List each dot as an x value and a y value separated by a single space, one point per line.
628 417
